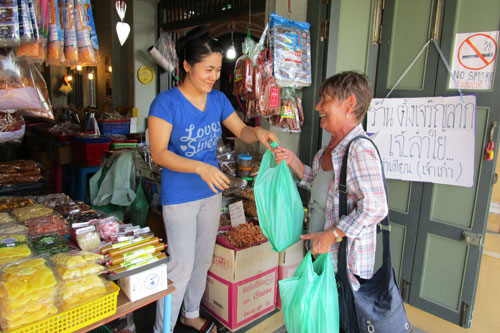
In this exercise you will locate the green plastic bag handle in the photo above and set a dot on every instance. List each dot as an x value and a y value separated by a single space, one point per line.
274 144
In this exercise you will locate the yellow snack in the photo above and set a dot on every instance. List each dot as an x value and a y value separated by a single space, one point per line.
31 212
14 253
28 318
27 277
67 273
70 289
76 258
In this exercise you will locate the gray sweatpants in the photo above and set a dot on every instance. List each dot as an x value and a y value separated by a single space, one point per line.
191 231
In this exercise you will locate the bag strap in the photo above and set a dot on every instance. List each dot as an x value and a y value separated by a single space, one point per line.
385 227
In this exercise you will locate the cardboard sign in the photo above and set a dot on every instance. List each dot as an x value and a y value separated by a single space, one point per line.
237 214
473 60
427 139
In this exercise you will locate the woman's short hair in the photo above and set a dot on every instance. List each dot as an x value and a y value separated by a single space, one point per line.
194 46
345 84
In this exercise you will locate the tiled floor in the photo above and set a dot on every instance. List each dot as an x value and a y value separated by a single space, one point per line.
144 321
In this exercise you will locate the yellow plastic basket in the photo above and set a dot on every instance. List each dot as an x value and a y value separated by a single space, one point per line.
78 317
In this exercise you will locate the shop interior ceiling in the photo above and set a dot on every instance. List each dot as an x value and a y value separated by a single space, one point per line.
180 15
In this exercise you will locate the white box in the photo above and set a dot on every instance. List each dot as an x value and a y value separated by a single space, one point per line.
145 283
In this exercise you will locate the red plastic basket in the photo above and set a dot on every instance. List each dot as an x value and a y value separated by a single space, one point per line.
90 154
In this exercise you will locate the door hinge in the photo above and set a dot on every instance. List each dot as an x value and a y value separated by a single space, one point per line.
471 238
325 24
465 315
404 290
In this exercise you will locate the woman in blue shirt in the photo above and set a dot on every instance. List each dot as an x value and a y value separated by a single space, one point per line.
184 127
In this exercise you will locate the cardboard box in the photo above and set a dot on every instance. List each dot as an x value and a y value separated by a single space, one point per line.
241 285
145 283
289 260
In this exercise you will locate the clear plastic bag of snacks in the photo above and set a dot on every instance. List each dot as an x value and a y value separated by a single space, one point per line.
31 212
13 247
108 228
11 126
46 225
27 293
87 238
49 244
23 87
291 52
76 258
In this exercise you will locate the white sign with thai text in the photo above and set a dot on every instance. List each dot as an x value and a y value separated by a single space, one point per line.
425 139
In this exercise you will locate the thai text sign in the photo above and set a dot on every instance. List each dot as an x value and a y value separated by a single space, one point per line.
426 139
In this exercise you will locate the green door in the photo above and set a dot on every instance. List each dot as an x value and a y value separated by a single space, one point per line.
443 225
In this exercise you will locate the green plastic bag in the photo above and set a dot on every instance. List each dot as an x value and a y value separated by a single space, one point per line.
139 208
278 202
310 300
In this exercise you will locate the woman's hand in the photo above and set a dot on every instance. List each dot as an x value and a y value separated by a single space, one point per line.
264 136
283 154
321 241
215 178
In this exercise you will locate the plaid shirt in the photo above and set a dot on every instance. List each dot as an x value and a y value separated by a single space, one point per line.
366 202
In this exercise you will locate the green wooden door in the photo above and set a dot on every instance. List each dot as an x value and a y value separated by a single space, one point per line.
439 274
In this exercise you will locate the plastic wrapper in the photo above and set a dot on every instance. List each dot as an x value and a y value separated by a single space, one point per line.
23 87
49 244
69 273
76 258
86 216
9 23
243 76
55 42
235 184
26 33
11 126
27 289
89 15
269 102
53 199
86 53
108 228
12 228
6 218
13 247
291 52
10 203
70 44
46 225
79 291
31 212
31 51
87 238
163 52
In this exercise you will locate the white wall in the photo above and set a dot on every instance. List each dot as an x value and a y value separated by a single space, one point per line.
145 31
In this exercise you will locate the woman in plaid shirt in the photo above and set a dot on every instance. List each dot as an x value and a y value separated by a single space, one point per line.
345 99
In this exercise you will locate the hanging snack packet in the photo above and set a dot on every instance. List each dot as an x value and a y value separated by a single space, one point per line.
70 45
292 52
25 26
9 23
86 53
55 42
91 25
31 51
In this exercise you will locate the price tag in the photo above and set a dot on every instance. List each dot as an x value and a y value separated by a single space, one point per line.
237 214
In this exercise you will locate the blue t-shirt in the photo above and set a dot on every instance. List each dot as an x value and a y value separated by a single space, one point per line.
194 135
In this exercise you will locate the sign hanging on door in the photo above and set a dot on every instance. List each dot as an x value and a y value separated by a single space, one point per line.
473 61
425 139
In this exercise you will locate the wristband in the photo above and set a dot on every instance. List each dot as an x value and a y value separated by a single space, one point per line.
338 239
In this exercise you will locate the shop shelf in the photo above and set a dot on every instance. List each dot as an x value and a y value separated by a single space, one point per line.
77 317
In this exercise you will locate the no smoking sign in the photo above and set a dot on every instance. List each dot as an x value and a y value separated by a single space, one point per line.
477 52
473 61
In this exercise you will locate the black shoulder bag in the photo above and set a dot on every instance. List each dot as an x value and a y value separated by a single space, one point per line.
377 306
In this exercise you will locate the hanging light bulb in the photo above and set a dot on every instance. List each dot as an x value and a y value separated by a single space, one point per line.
78 68
90 76
231 51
